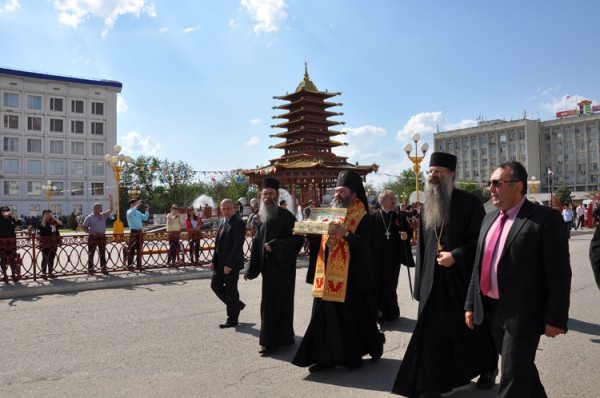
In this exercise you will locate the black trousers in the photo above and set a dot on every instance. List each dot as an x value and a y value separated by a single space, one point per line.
136 240
520 377
226 289
96 242
48 256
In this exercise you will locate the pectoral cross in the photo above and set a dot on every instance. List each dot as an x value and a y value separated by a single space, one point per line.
387 235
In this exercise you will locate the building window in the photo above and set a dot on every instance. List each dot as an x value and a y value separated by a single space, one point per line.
34 210
34 123
56 167
56 104
474 153
10 166
77 169
97 169
78 209
97 188
60 187
57 125
34 145
56 209
57 147
76 106
97 108
77 189
11 144
77 148
502 138
34 102
34 167
77 126
34 188
521 135
11 188
483 151
11 100
98 149
97 128
11 121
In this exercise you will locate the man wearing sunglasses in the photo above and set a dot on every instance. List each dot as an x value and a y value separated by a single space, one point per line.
521 280
443 354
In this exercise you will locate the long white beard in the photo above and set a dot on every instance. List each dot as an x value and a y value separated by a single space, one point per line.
437 203
268 212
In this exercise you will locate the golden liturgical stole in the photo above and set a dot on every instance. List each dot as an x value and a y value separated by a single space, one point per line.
330 283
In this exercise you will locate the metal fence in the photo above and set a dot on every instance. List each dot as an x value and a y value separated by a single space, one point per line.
71 253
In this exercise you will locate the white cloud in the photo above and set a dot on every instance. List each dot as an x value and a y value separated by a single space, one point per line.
232 23
252 141
255 121
269 14
544 92
554 104
10 6
424 123
162 30
362 143
121 105
74 12
463 124
190 30
134 144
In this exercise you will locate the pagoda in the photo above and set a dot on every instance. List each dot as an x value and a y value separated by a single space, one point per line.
308 166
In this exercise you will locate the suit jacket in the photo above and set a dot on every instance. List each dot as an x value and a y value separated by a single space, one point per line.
534 272
595 255
229 245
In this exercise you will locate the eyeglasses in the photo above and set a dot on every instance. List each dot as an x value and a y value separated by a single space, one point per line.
435 172
497 183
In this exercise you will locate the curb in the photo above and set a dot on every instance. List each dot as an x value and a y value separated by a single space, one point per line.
112 281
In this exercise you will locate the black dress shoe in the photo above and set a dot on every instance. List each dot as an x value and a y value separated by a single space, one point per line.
487 380
228 324
317 367
266 351
242 305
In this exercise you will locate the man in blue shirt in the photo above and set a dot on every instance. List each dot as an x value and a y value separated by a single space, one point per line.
134 220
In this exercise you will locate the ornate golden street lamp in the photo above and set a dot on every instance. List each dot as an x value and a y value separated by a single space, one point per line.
134 192
117 163
534 185
49 190
416 159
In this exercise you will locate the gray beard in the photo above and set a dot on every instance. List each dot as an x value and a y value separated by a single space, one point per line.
341 203
437 203
268 212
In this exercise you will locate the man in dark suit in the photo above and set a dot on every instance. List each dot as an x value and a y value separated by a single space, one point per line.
595 255
228 260
521 281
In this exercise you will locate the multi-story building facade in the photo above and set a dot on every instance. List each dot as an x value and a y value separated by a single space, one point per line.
562 151
55 128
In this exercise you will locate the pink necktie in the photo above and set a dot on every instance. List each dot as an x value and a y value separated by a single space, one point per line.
486 264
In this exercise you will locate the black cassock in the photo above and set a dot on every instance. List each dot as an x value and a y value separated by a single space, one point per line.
443 353
339 334
391 253
278 269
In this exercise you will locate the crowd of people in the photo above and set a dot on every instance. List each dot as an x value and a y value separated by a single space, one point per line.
487 285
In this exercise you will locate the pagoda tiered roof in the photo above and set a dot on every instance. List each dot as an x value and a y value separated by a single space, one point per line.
308 161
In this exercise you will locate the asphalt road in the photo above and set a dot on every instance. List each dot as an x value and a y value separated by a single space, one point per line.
163 340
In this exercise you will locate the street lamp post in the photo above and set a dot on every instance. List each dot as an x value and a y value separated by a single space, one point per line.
134 192
117 163
416 159
403 197
534 185
49 191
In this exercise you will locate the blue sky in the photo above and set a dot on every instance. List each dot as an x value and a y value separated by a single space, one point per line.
199 76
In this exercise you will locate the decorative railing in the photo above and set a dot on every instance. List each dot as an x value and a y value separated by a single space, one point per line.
71 253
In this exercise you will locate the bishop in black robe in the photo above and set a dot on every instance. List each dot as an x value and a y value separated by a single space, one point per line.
443 353
278 269
392 252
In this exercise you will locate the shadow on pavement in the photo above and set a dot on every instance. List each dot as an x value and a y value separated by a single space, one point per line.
584 327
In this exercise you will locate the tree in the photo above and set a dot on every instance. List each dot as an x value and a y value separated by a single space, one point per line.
473 187
562 194
405 183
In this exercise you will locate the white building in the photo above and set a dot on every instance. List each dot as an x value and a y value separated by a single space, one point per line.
568 147
55 128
